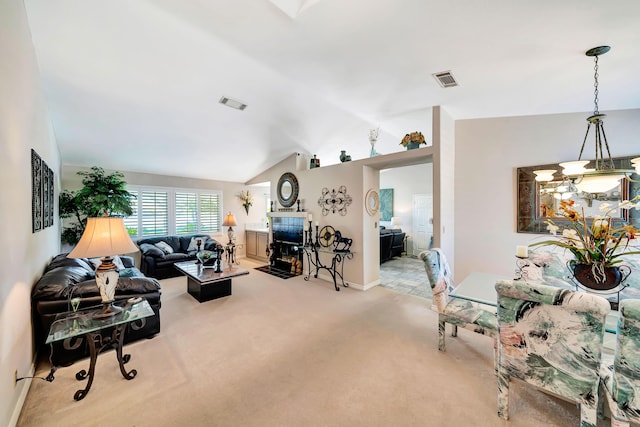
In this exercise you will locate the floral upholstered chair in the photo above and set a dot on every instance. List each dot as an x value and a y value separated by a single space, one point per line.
621 373
550 338
457 312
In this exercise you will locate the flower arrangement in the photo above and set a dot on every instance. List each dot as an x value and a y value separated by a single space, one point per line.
601 244
415 137
246 199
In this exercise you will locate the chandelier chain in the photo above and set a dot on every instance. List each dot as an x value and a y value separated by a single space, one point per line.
595 84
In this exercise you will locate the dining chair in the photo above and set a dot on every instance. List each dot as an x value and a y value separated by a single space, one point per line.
620 373
457 312
551 338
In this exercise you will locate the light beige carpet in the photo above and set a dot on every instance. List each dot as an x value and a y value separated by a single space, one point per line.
293 353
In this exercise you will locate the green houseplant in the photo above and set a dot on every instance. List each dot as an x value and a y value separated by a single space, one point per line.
102 194
597 247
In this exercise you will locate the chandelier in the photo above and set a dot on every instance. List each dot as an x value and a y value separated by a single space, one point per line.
604 176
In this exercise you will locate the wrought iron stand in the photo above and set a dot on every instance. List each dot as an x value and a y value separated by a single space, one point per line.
337 261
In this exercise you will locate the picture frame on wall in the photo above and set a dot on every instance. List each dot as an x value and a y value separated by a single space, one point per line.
42 193
36 192
386 204
46 218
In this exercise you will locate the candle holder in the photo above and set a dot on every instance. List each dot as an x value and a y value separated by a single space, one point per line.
521 264
309 235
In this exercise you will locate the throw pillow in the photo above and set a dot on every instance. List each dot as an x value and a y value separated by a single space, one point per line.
164 246
193 244
116 261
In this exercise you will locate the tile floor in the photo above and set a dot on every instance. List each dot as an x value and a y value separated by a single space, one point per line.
405 275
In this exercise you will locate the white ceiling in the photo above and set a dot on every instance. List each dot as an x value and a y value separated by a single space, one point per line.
134 85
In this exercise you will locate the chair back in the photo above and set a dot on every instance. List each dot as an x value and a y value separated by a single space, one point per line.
551 338
626 371
440 277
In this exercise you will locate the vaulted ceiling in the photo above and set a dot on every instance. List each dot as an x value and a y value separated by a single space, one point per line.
135 85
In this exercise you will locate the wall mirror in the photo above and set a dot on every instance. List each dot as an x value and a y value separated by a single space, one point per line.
287 189
538 202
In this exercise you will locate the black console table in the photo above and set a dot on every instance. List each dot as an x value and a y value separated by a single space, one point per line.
72 324
337 263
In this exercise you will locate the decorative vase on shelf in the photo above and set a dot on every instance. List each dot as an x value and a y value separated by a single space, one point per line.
343 156
373 138
413 145
592 278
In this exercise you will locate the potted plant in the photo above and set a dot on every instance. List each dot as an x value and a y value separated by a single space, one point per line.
102 195
597 247
413 140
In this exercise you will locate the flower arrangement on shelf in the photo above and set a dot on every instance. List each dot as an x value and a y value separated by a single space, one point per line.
413 137
246 199
599 245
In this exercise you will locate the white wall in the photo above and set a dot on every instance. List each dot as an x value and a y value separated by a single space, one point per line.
488 151
24 124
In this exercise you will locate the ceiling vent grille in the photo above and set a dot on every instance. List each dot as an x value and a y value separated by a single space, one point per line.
446 79
232 103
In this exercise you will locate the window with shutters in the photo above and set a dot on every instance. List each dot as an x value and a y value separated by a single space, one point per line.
167 211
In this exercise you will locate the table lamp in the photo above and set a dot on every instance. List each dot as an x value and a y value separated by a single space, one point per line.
396 221
230 221
105 237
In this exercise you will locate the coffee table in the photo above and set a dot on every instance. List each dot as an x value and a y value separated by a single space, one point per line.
204 284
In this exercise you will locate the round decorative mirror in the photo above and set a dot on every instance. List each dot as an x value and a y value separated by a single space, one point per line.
372 202
287 189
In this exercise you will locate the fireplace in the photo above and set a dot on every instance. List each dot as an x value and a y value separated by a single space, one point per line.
287 240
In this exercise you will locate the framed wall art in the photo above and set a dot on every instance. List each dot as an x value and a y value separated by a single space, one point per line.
386 203
42 193
36 192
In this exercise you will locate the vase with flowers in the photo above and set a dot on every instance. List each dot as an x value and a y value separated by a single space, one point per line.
413 140
246 199
598 247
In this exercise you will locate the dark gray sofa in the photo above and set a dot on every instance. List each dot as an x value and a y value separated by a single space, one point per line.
391 243
156 263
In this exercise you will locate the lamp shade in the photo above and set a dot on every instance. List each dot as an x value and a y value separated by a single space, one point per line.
396 221
229 220
104 236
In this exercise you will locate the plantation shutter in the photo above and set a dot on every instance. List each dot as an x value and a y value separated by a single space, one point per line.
186 213
155 213
131 221
210 214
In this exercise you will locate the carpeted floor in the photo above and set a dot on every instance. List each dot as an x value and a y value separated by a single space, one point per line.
293 353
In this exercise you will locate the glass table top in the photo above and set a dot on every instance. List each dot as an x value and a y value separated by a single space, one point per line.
70 324
207 274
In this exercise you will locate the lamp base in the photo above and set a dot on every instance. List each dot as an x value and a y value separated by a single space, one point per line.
108 310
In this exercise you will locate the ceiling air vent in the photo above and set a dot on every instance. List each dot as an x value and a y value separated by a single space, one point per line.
232 103
445 79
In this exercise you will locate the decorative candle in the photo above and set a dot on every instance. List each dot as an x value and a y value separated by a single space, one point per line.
305 226
310 217
521 252
317 223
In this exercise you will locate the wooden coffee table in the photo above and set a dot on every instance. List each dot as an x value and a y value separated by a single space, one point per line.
203 284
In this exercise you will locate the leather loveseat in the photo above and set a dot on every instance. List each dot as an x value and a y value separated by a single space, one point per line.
391 243
66 278
158 263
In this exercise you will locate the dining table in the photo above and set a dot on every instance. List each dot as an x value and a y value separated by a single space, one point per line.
480 288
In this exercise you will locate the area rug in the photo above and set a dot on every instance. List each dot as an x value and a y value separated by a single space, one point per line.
282 274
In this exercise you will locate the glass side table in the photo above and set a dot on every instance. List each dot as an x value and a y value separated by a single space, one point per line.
71 324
